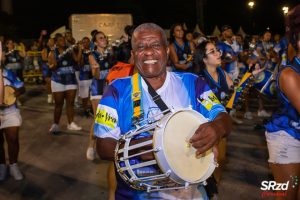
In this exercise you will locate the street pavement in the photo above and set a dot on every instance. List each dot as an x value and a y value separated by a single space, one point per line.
55 167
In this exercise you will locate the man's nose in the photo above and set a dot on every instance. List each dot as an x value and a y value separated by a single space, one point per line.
148 50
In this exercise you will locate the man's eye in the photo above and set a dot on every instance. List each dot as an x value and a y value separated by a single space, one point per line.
141 47
156 46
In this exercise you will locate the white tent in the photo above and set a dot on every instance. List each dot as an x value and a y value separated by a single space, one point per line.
216 32
197 29
241 32
184 26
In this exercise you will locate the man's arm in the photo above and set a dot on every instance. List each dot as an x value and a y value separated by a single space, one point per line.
210 133
106 148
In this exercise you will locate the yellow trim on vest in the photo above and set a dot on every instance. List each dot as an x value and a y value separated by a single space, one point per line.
136 95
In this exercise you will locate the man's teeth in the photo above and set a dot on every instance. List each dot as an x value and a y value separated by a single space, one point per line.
150 61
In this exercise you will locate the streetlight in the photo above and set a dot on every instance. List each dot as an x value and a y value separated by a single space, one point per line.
285 10
251 4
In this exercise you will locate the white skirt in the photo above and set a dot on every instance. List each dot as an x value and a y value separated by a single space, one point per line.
58 87
84 88
10 119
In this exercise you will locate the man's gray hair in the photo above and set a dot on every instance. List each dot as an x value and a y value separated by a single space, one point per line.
149 27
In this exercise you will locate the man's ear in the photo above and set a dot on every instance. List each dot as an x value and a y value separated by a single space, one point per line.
168 51
131 53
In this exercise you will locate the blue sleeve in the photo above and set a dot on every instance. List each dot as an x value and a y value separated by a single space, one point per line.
107 119
207 103
16 83
226 48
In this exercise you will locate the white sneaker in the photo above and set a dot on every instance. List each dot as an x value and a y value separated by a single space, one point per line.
3 171
54 129
74 127
50 99
90 153
248 115
15 172
263 113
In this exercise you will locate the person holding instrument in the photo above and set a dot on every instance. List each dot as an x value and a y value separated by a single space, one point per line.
63 82
10 122
115 114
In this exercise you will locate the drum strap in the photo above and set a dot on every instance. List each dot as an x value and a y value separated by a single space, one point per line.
136 95
157 99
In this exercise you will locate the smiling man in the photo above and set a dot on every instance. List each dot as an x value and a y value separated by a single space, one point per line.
127 102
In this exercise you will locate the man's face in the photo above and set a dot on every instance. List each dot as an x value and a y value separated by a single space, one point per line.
267 37
150 53
86 43
228 33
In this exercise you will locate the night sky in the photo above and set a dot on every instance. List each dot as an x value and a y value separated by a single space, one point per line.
31 16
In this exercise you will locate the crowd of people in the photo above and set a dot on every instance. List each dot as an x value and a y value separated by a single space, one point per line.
186 70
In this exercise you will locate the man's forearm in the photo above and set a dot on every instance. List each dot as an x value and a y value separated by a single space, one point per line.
106 148
224 124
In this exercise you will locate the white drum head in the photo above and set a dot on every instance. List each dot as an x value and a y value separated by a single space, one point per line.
179 153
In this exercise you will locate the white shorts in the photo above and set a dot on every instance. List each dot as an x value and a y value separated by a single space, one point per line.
11 119
283 148
58 87
84 88
97 97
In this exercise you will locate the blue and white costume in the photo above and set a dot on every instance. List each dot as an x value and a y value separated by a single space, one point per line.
10 116
63 77
85 76
228 52
98 85
182 53
220 88
283 131
115 111
13 62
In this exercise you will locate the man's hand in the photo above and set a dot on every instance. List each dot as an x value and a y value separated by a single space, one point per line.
205 137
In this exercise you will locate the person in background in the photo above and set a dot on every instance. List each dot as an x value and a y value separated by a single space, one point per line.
69 38
11 121
63 82
85 75
180 50
13 58
45 68
100 61
283 130
229 60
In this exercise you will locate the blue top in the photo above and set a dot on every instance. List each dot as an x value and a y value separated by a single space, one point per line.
115 111
287 117
182 53
220 88
65 72
10 79
85 70
228 51
12 57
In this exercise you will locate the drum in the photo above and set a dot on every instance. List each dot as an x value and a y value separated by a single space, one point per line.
9 96
175 164
265 83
